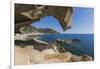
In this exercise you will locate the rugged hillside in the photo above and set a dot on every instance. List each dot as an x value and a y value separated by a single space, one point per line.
32 29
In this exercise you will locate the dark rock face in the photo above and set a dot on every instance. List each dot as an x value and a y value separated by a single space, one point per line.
26 14
35 44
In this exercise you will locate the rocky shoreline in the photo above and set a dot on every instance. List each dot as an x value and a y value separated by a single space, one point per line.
29 55
30 50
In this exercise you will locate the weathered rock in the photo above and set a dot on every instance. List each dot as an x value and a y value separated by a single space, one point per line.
22 55
26 14
29 55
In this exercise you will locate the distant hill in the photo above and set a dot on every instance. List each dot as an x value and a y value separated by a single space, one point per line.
32 29
47 30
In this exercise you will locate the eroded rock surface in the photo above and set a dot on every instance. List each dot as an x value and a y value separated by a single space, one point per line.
28 55
26 14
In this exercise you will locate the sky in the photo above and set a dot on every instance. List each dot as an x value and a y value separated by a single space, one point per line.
82 22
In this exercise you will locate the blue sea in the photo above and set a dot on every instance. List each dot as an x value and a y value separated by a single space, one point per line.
86 45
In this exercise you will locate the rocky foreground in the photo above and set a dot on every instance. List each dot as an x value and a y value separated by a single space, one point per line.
30 50
29 55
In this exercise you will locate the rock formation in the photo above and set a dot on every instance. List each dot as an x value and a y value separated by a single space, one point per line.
25 14
33 56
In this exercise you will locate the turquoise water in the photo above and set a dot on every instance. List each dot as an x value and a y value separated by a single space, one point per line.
85 46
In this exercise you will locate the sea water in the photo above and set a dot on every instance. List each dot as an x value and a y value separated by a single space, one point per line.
86 45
